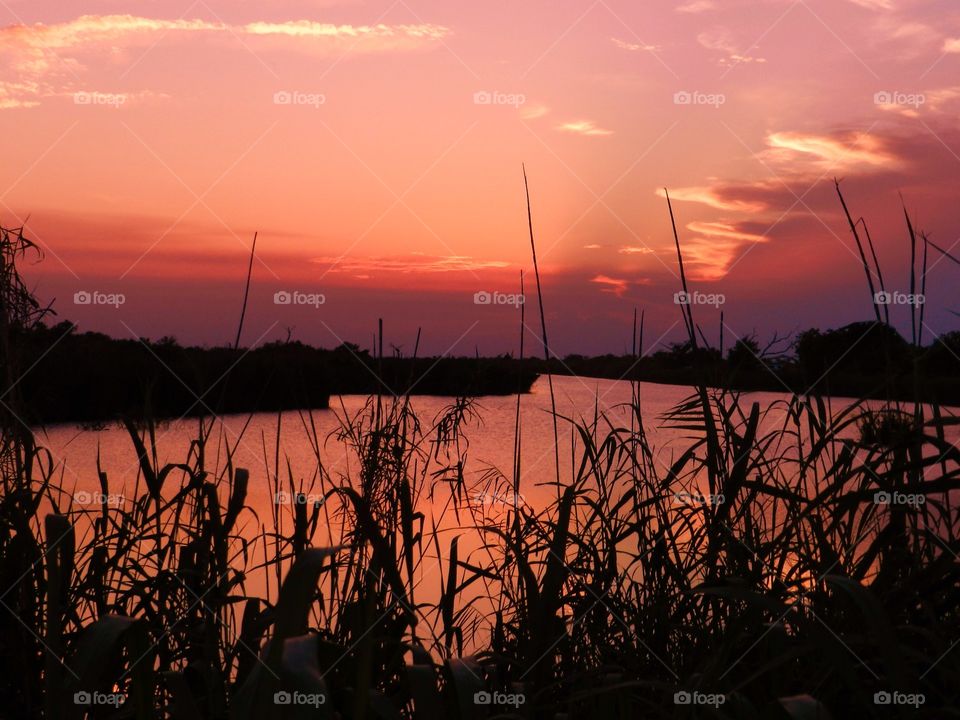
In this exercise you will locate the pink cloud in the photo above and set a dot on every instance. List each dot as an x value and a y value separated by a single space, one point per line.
583 127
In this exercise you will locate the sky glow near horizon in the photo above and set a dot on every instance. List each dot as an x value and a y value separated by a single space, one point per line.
376 149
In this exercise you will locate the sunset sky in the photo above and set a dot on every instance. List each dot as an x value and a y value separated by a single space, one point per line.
376 147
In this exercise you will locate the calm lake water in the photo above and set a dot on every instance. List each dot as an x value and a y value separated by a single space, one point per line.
488 446
489 439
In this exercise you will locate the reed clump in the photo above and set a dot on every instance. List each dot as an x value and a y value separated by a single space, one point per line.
788 560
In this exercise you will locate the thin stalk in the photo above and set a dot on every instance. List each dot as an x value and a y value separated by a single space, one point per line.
543 327
863 257
876 265
246 292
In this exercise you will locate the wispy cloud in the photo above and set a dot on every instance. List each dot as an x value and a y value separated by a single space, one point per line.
634 47
19 95
714 246
583 127
46 60
838 152
311 29
874 4
92 31
616 286
721 40
712 197
407 264
634 250
533 111
696 6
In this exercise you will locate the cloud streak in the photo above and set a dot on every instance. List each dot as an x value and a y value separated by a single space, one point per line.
407 264
46 60
583 127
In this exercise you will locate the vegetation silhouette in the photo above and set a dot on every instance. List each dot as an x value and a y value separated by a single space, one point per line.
92 378
788 561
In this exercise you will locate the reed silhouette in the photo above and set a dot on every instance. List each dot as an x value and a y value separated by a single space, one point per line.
766 569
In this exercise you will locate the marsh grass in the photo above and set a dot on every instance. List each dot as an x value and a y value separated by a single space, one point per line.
753 564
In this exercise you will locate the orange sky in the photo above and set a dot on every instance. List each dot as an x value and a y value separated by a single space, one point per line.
377 146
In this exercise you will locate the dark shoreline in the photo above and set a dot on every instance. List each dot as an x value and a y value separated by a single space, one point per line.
90 378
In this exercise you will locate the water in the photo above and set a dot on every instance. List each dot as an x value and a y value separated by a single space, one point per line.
487 449
490 440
